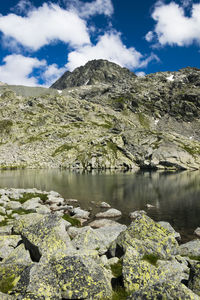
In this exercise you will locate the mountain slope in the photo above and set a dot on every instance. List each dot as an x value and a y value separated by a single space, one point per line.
131 123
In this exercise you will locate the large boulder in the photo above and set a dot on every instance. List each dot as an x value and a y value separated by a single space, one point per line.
7 244
43 235
146 237
194 280
191 249
169 291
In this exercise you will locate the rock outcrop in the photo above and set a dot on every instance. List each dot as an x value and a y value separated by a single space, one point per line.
103 117
44 256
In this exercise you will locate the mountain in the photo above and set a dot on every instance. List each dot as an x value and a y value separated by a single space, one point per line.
103 116
95 71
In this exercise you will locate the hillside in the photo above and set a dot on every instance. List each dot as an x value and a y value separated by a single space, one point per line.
105 117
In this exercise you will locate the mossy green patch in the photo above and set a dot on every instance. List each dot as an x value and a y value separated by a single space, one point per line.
112 146
63 148
5 125
119 294
28 196
7 284
73 221
117 268
144 122
150 258
22 211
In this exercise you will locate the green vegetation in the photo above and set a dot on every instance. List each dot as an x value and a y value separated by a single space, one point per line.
22 211
64 147
119 294
7 283
27 196
191 150
143 120
73 221
5 126
150 258
112 146
117 268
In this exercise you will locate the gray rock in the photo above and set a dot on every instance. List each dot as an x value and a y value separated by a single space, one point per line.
7 244
191 249
42 209
194 280
168 226
197 231
169 291
137 213
105 205
2 210
32 204
80 213
18 255
5 230
13 205
102 223
2 218
111 213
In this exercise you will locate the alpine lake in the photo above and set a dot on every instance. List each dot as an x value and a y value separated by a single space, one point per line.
175 196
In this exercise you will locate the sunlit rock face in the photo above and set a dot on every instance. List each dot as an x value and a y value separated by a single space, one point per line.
102 116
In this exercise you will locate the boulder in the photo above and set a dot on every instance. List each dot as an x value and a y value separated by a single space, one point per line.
104 205
191 249
111 213
168 226
32 204
103 223
194 280
197 231
18 255
169 291
43 235
7 244
137 213
80 213
146 237
13 205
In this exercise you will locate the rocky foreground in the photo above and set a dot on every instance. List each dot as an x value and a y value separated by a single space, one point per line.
46 253
102 116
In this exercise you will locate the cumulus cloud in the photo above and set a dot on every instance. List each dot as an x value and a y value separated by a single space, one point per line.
140 74
88 9
44 25
17 69
51 74
110 47
173 27
23 6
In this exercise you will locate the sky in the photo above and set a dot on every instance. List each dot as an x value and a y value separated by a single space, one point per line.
40 39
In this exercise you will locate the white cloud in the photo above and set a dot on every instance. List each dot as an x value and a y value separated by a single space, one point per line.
44 25
17 69
96 7
110 47
149 36
51 74
173 27
140 74
186 3
23 6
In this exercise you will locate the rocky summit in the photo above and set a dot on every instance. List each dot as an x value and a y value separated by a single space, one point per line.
102 116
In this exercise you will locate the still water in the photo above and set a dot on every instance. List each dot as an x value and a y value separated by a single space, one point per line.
175 196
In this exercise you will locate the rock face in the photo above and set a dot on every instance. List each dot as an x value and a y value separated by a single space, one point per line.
95 71
104 118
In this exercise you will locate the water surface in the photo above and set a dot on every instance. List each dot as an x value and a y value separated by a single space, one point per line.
176 196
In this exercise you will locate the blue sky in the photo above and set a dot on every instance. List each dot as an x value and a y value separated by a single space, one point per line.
40 40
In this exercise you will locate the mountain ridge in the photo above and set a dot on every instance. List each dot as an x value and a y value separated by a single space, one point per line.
132 122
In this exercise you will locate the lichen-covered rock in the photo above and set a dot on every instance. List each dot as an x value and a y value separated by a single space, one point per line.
140 271
194 280
168 226
103 223
169 291
43 235
146 237
7 244
19 255
6 297
191 249
82 278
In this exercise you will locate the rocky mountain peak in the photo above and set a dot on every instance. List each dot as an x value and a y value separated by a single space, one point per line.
93 72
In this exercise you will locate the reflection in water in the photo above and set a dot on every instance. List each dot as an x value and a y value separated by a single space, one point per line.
176 196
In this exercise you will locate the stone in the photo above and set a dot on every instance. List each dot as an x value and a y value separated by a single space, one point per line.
43 235
7 244
6 297
197 231
103 223
42 209
18 255
169 291
190 249
146 237
80 213
168 226
194 280
32 204
2 218
5 230
2 210
111 213
14 205
104 205
137 213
